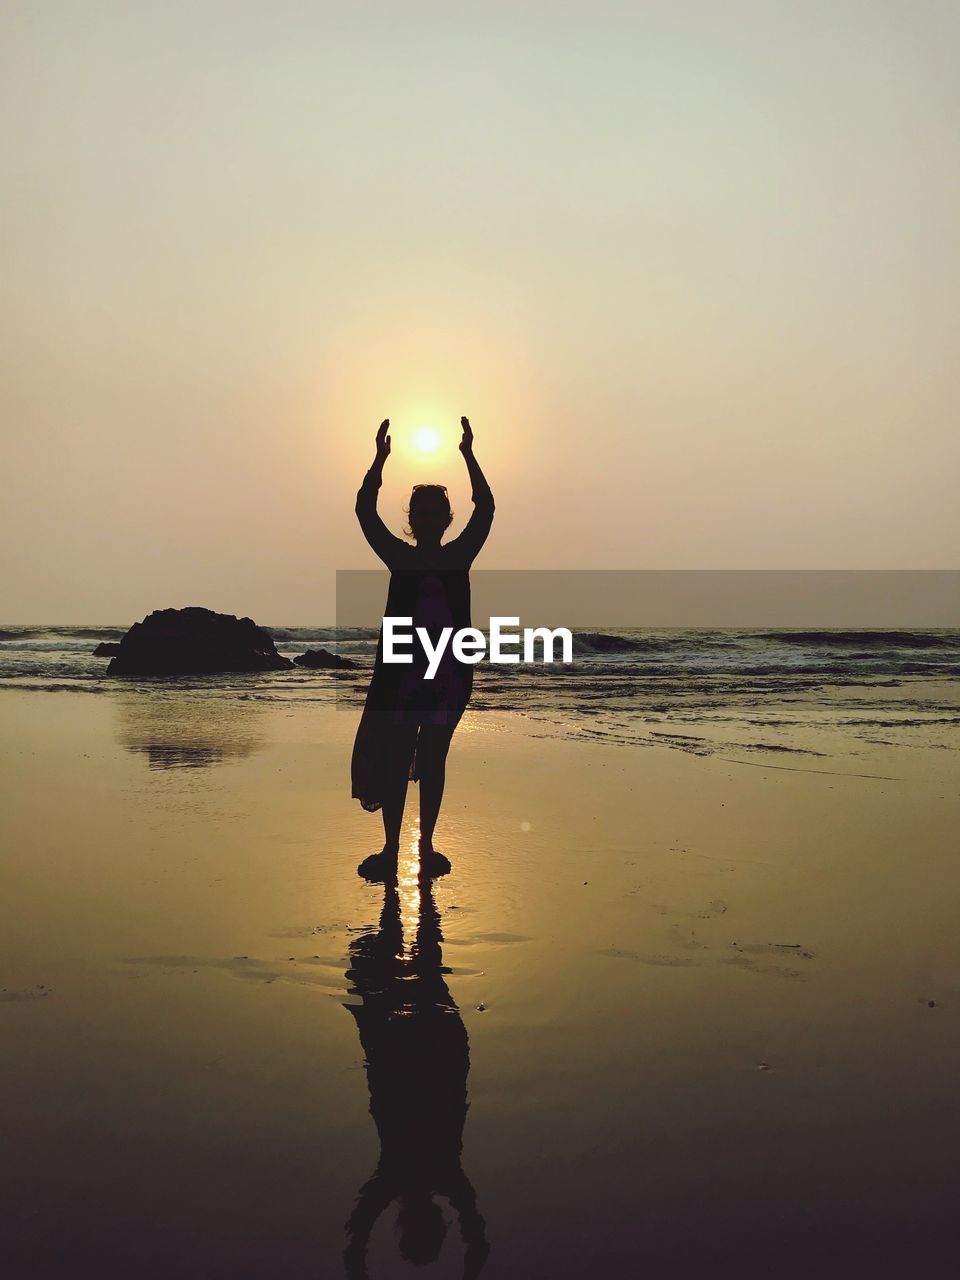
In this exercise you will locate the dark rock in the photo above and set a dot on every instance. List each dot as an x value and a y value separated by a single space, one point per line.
194 642
106 649
322 658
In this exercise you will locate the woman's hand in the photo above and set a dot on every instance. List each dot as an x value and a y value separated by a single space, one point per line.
383 442
466 441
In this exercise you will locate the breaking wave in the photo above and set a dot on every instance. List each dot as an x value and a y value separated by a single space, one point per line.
864 639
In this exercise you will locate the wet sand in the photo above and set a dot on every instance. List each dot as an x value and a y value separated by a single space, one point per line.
712 1003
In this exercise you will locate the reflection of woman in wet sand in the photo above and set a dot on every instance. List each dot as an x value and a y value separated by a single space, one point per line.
417 1060
408 721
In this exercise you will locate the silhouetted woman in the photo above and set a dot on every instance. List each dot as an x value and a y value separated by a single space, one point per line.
417 1059
408 721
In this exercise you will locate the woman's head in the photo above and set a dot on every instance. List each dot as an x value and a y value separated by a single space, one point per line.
423 1228
429 513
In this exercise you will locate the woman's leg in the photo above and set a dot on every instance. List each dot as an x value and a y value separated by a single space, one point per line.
432 748
400 745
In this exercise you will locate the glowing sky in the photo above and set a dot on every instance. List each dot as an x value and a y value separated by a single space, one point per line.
691 269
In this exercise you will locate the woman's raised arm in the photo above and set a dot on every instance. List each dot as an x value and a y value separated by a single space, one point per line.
478 526
375 531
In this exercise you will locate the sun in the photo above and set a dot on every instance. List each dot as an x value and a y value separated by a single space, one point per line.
425 440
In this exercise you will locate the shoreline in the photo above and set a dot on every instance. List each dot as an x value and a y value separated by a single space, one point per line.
684 983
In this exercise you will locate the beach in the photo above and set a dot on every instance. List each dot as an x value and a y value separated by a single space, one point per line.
566 387
710 995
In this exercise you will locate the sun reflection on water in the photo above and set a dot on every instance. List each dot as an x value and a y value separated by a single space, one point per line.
408 889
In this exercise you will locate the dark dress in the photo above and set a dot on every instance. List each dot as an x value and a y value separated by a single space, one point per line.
433 588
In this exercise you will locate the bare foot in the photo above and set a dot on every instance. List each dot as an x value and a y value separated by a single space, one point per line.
379 867
432 862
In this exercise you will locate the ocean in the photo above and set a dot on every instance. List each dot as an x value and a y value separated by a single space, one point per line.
752 689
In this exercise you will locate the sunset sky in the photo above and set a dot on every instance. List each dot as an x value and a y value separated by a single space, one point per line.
690 267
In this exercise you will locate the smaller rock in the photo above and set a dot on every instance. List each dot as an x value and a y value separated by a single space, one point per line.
106 649
322 658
